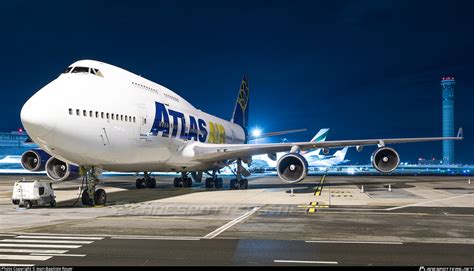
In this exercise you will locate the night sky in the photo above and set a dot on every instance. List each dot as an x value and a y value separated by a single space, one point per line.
365 69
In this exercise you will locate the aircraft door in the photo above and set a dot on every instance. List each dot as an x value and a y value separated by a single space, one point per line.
143 121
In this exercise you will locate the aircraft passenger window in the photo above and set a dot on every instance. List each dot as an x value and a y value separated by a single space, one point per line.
126 118
67 70
134 119
96 114
121 117
102 114
80 70
78 112
108 115
90 113
84 112
112 116
70 111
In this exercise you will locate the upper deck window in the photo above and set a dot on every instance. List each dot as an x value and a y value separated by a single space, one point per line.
80 70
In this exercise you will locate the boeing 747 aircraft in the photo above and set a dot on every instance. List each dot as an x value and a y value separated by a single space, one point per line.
96 116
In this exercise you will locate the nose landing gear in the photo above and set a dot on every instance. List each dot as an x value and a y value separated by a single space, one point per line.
90 196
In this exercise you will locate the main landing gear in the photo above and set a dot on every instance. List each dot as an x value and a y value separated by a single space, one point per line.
239 182
184 181
91 196
214 181
146 182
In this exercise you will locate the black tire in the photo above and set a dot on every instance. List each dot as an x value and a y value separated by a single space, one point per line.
52 203
100 197
242 184
153 183
138 183
27 204
15 202
189 182
85 198
218 183
176 182
246 186
232 184
208 183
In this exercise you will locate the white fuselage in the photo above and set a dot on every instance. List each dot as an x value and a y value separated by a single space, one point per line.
120 121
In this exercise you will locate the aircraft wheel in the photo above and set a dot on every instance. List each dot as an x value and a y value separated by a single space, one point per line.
176 182
218 183
85 198
209 183
27 204
153 183
52 203
242 184
232 184
100 197
139 183
189 182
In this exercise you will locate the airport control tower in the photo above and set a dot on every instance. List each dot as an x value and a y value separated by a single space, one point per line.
447 86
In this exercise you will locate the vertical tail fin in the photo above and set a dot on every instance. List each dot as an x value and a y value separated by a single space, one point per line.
321 135
241 109
341 154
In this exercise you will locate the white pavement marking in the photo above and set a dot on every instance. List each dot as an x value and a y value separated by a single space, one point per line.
58 237
39 246
15 264
231 223
58 234
354 242
24 257
308 262
62 255
168 238
14 250
47 241
425 202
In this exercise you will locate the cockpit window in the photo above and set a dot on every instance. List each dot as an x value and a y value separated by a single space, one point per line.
97 72
80 70
68 70
84 70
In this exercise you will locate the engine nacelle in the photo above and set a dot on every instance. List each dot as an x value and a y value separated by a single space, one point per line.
385 159
60 171
34 159
292 168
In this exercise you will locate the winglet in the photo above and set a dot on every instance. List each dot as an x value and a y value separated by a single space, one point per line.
460 134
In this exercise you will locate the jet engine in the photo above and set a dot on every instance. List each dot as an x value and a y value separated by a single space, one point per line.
60 171
34 159
292 168
385 159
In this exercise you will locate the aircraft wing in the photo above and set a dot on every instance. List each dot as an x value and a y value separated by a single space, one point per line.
221 152
270 134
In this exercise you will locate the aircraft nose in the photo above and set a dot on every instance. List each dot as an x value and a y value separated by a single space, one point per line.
37 118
